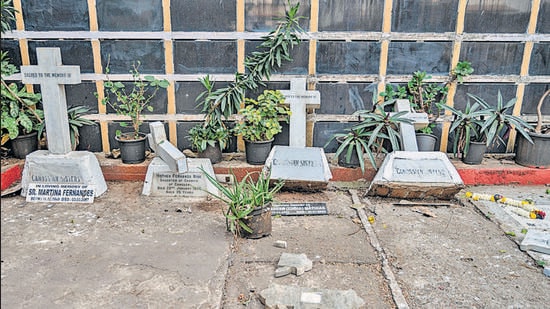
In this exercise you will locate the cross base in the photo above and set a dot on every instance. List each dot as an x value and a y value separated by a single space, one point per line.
75 167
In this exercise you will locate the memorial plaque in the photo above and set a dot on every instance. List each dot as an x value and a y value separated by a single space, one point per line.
191 186
408 174
58 166
301 167
68 193
299 209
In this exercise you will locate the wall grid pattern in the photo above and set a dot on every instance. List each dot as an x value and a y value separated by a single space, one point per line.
349 49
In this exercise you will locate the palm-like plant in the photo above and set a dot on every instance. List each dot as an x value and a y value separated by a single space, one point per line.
368 136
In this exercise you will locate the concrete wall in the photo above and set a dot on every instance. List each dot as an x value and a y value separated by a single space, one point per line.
350 48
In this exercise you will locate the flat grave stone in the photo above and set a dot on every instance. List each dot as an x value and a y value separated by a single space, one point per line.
536 240
191 186
302 168
407 174
58 167
292 296
299 209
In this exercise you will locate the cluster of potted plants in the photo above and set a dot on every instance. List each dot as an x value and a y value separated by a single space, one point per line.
481 125
260 118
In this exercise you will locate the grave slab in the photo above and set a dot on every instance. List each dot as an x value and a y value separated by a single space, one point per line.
74 168
302 168
406 174
191 186
58 167
296 297
299 98
536 240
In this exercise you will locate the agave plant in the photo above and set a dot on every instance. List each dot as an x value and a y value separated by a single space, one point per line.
76 121
369 135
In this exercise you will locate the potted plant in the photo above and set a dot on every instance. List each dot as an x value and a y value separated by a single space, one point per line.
260 123
425 139
22 120
77 121
376 133
535 153
211 137
131 103
219 104
248 202
480 125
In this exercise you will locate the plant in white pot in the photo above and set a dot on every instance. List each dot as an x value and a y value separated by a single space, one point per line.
131 102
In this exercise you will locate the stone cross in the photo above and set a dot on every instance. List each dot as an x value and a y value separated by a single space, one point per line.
299 98
52 76
407 130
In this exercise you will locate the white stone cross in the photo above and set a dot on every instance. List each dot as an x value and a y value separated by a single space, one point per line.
299 98
52 76
407 130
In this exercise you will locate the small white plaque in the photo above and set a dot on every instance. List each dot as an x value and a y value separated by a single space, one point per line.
311 298
60 193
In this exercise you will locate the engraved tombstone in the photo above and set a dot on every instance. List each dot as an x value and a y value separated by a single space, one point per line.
58 174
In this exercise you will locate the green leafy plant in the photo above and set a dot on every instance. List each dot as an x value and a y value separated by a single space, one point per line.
206 134
76 121
462 69
481 122
242 197
19 112
369 135
8 14
260 118
427 129
219 104
132 102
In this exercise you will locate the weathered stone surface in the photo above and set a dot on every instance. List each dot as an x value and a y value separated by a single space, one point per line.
295 297
536 240
302 168
191 186
407 174
75 167
169 153
299 263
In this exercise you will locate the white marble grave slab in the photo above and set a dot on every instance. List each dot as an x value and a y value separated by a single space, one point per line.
305 167
190 186
536 240
75 167
407 174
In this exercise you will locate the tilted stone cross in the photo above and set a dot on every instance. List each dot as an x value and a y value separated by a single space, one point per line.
407 130
52 76
299 98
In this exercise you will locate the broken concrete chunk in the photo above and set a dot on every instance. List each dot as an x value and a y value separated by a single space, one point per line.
283 271
295 297
280 244
299 263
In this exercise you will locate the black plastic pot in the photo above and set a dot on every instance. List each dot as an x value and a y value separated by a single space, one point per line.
214 153
536 154
475 153
426 142
259 221
257 152
22 145
132 151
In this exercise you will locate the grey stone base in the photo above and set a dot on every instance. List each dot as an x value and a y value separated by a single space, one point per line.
75 167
